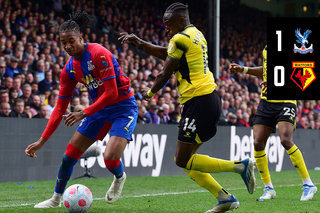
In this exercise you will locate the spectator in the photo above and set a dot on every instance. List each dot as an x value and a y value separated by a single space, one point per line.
17 83
56 72
4 96
142 118
161 101
40 70
29 78
27 110
225 108
167 98
13 94
84 102
43 113
34 89
18 109
35 105
137 93
174 119
165 118
26 94
302 123
24 67
46 83
232 108
52 101
152 114
233 120
5 109
317 106
312 124
55 54
12 68
74 102
8 83
2 70
245 120
253 86
306 107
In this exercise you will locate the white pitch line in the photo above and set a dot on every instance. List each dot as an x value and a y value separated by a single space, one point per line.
157 194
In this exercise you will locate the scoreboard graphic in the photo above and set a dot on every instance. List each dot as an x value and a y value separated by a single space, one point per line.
293 59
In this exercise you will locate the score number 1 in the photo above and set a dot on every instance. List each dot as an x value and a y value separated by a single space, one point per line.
278 82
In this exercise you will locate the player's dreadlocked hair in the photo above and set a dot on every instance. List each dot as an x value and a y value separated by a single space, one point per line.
178 8
77 19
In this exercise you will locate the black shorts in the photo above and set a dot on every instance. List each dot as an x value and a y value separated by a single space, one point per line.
269 114
199 118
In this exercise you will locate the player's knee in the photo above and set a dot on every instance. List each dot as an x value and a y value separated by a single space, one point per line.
287 143
68 162
180 162
258 145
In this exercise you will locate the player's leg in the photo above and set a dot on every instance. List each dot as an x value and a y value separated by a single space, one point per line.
112 155
76 147
264 124
124 121
285 133
226 201
260 135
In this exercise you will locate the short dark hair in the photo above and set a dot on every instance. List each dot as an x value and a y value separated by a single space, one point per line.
77 19
18 100
178 8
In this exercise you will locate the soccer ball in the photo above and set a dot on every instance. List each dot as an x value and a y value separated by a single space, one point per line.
77 198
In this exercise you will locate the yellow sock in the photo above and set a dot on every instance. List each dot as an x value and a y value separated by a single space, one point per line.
207 164
298 162
262 166
206 181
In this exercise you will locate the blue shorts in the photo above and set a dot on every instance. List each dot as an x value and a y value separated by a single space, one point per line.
119 118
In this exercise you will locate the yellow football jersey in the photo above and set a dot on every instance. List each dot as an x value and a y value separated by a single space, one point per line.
193 75
264 88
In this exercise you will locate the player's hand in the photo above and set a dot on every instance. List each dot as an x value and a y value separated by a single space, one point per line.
74 117
32 148
234 68
144 93
129 38
264 86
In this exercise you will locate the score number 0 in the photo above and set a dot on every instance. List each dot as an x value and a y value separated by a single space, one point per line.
278 82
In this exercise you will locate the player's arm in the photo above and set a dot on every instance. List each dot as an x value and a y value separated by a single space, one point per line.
162 78
110 94
155 50
65 94
257 71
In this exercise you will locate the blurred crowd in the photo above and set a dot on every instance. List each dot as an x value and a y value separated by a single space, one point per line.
32 58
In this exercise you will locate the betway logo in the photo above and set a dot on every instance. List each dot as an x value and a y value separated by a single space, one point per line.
145 148
91 82
242 148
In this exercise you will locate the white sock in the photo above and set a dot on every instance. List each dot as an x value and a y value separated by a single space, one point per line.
308 181
268 184
57 196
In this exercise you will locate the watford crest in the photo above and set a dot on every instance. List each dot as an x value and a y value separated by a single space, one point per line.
303 74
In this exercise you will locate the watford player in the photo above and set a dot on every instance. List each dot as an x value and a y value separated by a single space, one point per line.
186 57
268 115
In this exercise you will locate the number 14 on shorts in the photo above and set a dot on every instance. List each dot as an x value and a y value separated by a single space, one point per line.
292 64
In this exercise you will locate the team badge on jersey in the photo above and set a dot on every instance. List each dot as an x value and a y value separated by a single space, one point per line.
302 39
303 74
90 65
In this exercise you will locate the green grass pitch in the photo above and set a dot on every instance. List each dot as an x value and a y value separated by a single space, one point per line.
168 194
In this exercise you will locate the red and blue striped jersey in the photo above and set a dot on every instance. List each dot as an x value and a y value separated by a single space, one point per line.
96 65
100 72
